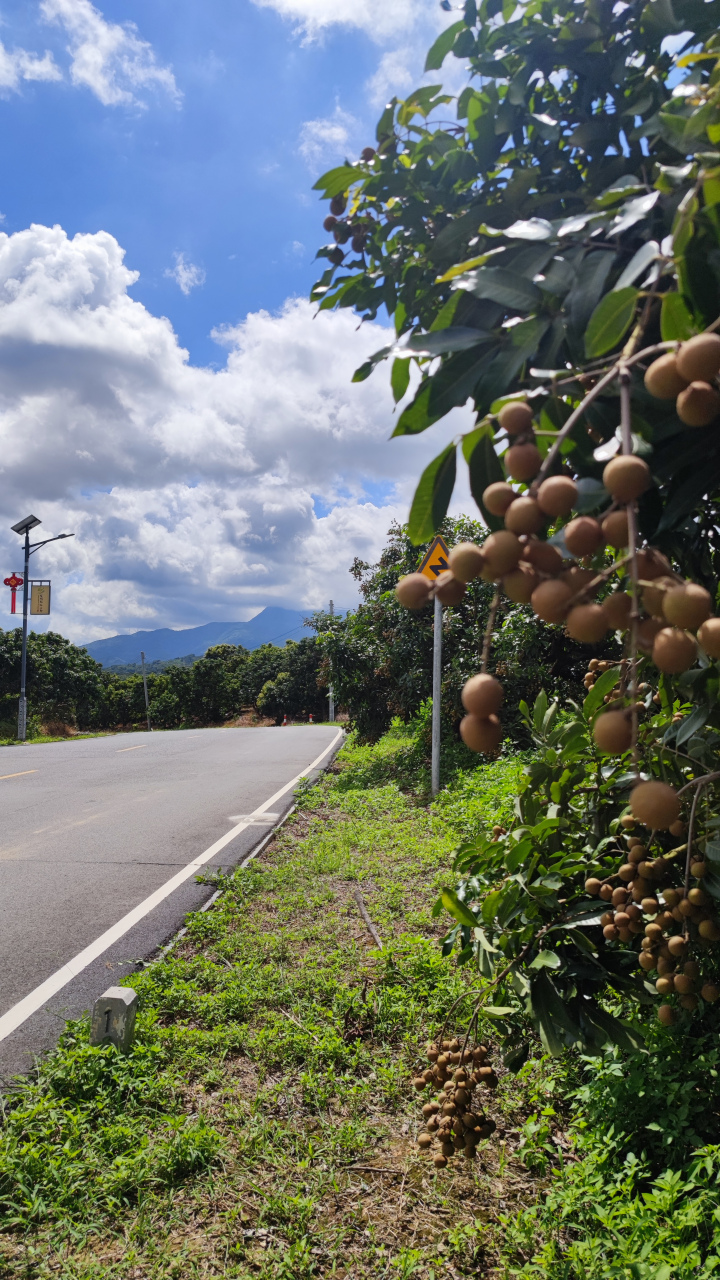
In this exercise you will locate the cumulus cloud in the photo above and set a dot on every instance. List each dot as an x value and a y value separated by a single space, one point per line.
324 140
17 65
377 18
110 60
195 493
185 274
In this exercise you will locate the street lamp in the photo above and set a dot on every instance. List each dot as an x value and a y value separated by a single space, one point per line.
24 527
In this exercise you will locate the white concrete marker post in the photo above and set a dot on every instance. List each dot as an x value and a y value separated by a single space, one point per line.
113 1018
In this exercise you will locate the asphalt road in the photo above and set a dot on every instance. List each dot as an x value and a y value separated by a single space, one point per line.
90 829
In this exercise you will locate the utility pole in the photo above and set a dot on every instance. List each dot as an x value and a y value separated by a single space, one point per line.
331 713
436 683
24 526
147 703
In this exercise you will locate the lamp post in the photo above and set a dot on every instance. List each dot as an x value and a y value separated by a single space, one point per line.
24 527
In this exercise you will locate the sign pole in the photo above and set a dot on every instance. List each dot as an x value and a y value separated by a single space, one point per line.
331 691
437 679
147 703
22 705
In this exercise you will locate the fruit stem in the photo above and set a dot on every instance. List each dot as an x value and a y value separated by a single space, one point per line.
487 638
626 435
574 417
691 828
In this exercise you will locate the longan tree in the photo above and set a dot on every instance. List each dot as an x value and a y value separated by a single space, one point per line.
552 257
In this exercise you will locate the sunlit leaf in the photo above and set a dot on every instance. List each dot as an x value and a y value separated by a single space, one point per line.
610 321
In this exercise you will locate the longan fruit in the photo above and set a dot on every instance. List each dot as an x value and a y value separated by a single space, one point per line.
709 931
666 1015
687 605
524 516
543 556
709 637
587 623
424 1141
520 583
648 629
655 804
626 477
522 461
448 589
612 732
367 154
689 1002
501 551
593 886
557 496
482 695
653 596
698 405
413 591
698 359
678 829
710 992
615 529
683 984
617 609
550 599
677 945
481 734
577 578
626 872
673 650
498 497
515 417
663 379
698 870
664 986
466 561
583 536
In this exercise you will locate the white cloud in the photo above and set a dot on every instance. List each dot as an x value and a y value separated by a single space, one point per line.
18 65
194 493
110 60
186 274
322 141
380 19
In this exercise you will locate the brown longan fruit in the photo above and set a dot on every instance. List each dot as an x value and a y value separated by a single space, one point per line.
709 637
502 550
654 595
577 578
466 561
557 496
367 154
663 379
593 886
648 629
520 583
674 650
698 405
646 961
448 589
619 896
687 605
709 931
626 872
698 359
550 600
583 536
498 497
666 1015
424 1141
683 984
482 695
689 1002
587 623
543 556
710 992
698 869
617 608
515 417
522 461
524 516
655 804
626 477
413 591
606 893
612 732
615 529
664 986
677 945
481 734
672 896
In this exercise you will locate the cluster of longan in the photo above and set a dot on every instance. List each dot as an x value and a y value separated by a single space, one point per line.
688 376
344 229
646 903
450 1117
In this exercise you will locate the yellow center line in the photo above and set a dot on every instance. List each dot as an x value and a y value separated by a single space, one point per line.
17 775
139 747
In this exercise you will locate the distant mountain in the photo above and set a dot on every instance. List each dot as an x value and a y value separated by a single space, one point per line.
270 626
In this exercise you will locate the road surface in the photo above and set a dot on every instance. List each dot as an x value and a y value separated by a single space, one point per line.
101 840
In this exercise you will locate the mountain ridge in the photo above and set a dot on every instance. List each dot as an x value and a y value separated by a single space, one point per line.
272 625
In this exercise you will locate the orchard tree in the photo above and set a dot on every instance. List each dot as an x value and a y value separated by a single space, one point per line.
551 255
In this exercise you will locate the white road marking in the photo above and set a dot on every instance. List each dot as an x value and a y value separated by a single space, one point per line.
140 747
17 775
24 1009
251 817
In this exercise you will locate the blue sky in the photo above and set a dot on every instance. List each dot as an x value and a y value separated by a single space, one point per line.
158 162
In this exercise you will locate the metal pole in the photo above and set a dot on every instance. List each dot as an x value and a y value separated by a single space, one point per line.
331 693
147 703
22 705
437 677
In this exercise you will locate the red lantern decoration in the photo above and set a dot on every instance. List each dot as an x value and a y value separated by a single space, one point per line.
13 582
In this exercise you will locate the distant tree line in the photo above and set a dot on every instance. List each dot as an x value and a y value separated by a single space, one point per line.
66 687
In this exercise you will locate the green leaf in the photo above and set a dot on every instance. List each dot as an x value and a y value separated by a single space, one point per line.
484 468
336 181
503 286
539 710
690 725
545 960
442 46
618 1032
602 685
441 341
556 1028
417 417
676 323
640 262
497 1011
610 321
452 903
432 499
400 378
366 369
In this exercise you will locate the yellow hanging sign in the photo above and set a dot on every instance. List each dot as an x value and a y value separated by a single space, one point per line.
39 597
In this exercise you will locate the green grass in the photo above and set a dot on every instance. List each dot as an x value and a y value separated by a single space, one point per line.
264 1122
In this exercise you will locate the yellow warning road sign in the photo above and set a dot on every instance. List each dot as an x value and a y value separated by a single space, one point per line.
435 559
